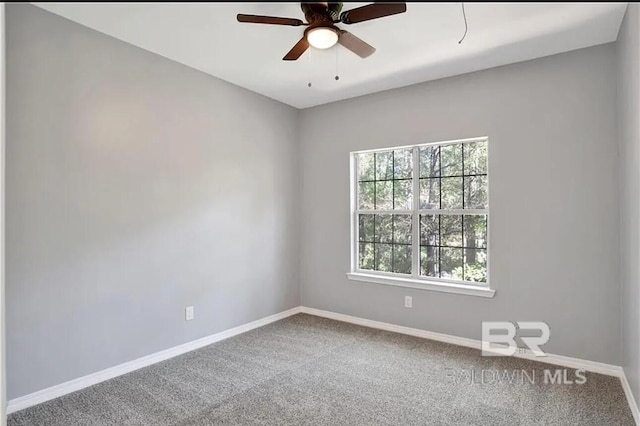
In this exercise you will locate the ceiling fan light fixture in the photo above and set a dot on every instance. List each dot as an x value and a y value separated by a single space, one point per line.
322 37
322 32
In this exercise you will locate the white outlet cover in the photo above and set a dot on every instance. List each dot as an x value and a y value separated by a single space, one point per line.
189 313
408 301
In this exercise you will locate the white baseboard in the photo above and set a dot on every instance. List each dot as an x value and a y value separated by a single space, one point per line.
35 398
446 338
632 402
563 361
56 391
559 360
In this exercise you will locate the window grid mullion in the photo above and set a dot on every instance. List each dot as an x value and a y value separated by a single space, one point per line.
385 211
462 216
440 216
426 177
375 205
427 211
356 218
415 216
393 205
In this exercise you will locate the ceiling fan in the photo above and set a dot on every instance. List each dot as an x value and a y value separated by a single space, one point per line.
322 33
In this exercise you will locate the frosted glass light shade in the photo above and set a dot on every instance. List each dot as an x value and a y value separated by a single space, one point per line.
322 37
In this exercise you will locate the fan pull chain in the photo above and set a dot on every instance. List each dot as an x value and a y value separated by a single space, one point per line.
337 77
309 68
464 15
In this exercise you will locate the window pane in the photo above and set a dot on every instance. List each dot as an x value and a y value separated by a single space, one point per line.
451 160
365 232
366 256
429 193
451 230
402 259
451 193
366 195
384 228
402 193
430 161
429 230
366 171
384 195
475 192
383 257
429 261
384 165
450 177
451 263
475 231
475 265
402 228
403 164
475 158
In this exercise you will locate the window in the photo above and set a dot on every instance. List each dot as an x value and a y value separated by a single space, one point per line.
420 216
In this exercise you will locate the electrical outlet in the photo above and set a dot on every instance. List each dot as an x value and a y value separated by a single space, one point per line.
189 313
408 302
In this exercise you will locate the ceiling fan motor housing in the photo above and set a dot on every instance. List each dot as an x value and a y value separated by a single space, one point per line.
317 13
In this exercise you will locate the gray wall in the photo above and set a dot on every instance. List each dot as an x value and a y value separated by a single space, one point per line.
3 381
553 198
135 187
629 136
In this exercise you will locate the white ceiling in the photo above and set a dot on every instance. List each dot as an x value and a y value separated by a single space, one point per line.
419 45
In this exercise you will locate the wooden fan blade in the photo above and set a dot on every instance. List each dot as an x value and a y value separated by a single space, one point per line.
355 44
297 50
372 11
274 20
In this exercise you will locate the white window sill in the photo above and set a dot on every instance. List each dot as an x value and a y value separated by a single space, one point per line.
469 290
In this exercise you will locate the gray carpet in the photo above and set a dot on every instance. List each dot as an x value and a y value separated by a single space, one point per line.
306 370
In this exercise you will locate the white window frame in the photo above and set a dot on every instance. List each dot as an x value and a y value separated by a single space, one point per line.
414 280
